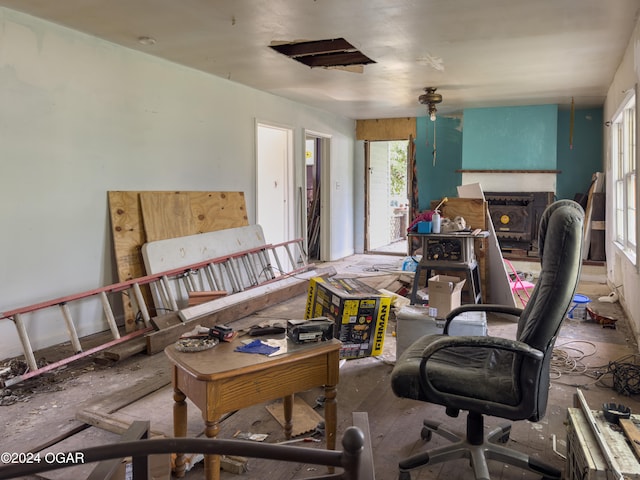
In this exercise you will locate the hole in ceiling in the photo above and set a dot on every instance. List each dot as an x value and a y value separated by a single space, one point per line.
332 53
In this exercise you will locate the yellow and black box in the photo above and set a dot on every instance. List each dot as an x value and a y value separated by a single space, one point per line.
359 311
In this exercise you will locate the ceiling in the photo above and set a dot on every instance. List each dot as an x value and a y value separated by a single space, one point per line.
478 53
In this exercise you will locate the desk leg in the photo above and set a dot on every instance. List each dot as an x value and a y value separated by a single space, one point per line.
287 403
179 426
212 462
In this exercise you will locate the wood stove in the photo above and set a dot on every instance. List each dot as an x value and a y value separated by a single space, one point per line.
516 219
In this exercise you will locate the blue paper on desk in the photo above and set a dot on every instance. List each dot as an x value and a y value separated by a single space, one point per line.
257 346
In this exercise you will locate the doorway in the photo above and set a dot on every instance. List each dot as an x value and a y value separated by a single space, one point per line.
274 183
387 204
317 148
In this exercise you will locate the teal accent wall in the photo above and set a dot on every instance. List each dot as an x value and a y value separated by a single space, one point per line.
484 126
510 138
578 164
439 180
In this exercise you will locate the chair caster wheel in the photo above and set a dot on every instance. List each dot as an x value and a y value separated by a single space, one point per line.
426 434
404 476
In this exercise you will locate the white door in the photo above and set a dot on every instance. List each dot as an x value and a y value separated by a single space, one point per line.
274 183
378 214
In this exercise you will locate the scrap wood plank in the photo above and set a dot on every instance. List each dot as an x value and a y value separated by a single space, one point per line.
632 433
177 252
165 320
367 469
236 306
105 469
126 349
111 422
597 186
119 424
100 412
209 211
122 398
196 298
139 345
493 273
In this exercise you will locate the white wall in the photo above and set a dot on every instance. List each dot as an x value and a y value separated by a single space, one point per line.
80 116
620 271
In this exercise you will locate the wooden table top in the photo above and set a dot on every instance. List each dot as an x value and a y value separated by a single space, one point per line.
222 361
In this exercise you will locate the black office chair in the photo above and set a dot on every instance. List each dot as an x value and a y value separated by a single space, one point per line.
497 376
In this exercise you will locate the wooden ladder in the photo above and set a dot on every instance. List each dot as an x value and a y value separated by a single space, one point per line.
234 273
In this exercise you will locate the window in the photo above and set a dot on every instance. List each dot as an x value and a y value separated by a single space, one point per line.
623 145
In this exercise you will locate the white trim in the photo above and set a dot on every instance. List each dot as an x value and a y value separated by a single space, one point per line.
624 102
325 191
631 96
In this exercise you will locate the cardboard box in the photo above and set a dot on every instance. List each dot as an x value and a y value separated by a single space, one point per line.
444 294
359 311
414 321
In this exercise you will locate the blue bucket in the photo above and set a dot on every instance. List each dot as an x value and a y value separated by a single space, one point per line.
578 310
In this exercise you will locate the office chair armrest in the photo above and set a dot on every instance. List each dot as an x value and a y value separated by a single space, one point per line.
482 307
497 343
494 343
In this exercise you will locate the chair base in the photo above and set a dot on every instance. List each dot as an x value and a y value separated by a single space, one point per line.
477 453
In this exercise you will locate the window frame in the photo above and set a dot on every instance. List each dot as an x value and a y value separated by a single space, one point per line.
624 152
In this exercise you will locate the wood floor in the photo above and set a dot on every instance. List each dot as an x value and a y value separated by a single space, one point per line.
364 387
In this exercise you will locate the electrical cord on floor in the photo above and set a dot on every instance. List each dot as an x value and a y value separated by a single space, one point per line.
626 375
568 359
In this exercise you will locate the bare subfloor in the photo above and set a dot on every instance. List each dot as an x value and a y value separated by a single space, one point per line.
48 405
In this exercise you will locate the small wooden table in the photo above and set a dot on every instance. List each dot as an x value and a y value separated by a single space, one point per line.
221 380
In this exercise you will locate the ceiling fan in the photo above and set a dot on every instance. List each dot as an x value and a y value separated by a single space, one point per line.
430 98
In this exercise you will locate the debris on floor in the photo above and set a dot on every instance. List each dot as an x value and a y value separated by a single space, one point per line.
254 437
605 321
7 397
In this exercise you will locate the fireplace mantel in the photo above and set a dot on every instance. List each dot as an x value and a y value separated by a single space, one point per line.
512 180
509 171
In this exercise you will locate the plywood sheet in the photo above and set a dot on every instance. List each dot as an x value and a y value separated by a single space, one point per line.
166 215
128 233
213 211
207 212
178 214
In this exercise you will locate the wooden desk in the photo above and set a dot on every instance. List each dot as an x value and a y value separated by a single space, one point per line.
221 380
